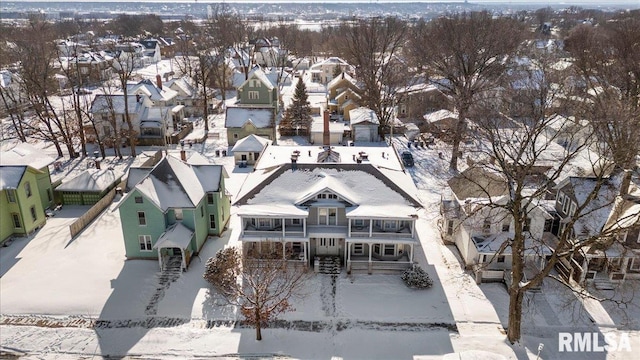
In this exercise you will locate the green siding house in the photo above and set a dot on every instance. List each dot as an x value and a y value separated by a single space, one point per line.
21 211
169 214
258 90
25 154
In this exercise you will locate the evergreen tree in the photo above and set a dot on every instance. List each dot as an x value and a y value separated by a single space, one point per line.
298 114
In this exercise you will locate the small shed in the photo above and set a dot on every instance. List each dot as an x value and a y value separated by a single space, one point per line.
88 187
248 149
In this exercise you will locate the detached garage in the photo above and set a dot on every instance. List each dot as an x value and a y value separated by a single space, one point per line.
88 187
364 125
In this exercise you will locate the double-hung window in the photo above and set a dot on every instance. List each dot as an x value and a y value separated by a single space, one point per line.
145 242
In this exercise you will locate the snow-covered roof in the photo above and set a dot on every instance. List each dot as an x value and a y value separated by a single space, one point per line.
362 115
492 244
251 143
440 115
344 76
237 117
176 236
91 180
26 154
335 127
478 183
595 214
260 75
180 85
371 195
10 176
329 61
173 183
147 87
105 102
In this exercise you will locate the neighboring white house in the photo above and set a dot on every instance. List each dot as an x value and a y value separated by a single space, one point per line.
249 149
323 71
481 232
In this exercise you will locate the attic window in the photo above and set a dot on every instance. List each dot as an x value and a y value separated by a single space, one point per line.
138 199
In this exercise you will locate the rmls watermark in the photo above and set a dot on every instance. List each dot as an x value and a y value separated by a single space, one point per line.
593 342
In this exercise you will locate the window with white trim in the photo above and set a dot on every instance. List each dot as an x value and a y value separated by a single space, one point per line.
212 221
565 204
634 264
390 225
145 243
16 221
27 189
500 258
450 227
254 95
572 210
138 199
34 216
11 195
142 219
295 221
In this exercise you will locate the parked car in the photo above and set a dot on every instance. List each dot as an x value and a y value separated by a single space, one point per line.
407 159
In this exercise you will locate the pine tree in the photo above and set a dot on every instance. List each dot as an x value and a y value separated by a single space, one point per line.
298 114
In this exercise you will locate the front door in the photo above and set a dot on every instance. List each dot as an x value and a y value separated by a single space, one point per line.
327 246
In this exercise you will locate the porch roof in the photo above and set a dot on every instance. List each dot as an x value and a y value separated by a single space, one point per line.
176 236
491 245
272 210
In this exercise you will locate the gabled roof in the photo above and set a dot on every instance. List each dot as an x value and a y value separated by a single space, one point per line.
173 183
363 115
346 92
334 60
26 154
147 87
103 102
91 180
237 117
260 75
325 182
251 143
344 76
182 85
176 236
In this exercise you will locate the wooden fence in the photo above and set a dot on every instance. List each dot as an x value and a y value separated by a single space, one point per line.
92 213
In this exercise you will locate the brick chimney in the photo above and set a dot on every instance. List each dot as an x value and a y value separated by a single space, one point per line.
97 164
326 136
159 81
183 155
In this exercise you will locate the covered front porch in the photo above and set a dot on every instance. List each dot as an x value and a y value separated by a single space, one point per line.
174 247
379 255
293 251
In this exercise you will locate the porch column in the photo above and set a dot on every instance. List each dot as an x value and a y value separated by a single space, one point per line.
413 229
370 231
411 253
370 251
346 247
241 226
283 232
160 258
183 261
349 228
304 227
304 250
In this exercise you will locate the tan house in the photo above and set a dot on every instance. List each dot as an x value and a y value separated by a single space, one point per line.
248 150
244 121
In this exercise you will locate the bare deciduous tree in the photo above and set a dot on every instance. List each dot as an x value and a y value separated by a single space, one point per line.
464 54
262 288
527 160
374 46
